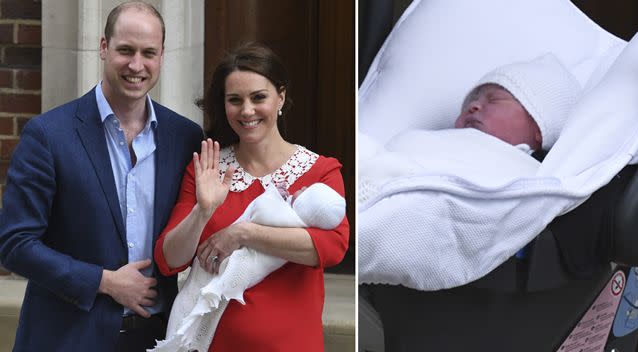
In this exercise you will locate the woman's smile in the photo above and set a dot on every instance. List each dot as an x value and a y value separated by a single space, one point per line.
250 124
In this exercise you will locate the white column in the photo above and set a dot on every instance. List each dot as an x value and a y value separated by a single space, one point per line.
183 69
90 29
71 66
60 25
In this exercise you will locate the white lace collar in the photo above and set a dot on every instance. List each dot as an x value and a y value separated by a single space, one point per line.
298 164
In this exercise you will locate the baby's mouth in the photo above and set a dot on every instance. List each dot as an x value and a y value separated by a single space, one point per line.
472 122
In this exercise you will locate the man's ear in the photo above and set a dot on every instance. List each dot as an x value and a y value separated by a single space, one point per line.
103 46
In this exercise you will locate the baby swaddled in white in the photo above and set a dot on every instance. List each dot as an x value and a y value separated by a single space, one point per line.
512 111
448 194
202 300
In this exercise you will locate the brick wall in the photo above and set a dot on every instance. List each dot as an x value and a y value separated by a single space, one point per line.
20 82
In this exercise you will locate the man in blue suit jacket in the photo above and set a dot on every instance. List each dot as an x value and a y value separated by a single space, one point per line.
90 186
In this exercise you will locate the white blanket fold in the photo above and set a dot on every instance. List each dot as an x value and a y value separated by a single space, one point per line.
443 224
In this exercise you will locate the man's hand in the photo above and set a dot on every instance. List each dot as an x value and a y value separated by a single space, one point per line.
128 287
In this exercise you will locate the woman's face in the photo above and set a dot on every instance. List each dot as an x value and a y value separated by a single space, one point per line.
251 104
495 111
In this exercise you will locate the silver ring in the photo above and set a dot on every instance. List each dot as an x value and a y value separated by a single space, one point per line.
213 258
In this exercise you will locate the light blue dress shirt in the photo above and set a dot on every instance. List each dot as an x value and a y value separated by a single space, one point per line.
135 183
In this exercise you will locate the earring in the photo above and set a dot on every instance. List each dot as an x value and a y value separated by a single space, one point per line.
279 112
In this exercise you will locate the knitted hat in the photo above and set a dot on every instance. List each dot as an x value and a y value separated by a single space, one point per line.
320 206
545 88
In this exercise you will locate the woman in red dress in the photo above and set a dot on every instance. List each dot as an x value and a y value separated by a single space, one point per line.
246 102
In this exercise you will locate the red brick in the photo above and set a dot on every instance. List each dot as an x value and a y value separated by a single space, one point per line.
21 121
23 9
20 103
4 166
6 78
29 34
7 125
28 79
6 33
23 57
7 146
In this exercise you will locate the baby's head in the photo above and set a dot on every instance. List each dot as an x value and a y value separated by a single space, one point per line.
522 103
492 109
319 206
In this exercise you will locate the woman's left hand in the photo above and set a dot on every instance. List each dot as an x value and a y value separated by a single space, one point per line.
212 252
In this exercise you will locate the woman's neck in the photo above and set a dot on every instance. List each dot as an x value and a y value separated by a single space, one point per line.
264 157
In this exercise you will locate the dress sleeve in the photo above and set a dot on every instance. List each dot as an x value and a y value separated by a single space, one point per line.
331 245
185 202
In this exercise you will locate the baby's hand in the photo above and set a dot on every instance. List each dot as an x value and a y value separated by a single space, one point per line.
283 192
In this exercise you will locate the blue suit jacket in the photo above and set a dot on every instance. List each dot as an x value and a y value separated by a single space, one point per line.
61 223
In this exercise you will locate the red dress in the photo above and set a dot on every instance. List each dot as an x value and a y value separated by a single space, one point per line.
283 312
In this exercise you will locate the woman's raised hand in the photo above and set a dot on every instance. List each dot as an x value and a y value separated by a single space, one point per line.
211 189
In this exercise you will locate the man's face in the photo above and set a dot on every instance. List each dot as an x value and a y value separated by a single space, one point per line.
132 58
495 111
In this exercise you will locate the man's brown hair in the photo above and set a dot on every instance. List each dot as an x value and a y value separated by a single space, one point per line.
138 5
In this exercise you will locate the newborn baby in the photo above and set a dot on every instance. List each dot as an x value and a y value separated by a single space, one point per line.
204 297
523 104
492 109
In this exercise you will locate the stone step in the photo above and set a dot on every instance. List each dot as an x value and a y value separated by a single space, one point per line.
338 312
11 294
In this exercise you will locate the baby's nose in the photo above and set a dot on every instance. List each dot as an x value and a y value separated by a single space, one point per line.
473 106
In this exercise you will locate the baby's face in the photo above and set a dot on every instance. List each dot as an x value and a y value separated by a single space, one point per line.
495 111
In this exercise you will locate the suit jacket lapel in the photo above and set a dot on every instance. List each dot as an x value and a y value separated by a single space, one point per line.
91 132
164 162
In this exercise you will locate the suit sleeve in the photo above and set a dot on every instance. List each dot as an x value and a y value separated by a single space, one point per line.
331 245
27 199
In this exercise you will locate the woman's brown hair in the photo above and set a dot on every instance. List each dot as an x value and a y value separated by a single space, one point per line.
254 57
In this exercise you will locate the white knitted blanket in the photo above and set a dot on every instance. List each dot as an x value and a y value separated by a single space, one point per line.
202 300
454 154
443 224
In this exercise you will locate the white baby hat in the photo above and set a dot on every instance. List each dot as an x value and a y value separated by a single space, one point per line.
320 206
546 89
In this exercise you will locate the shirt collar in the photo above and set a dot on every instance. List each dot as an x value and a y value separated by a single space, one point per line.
106 111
